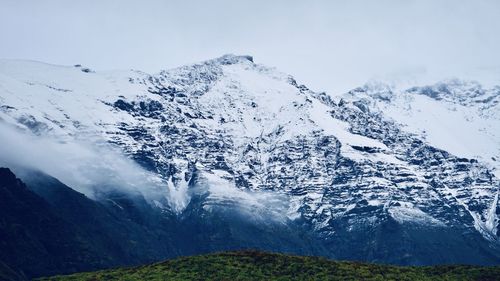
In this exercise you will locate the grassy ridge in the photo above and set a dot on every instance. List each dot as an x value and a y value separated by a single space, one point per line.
253 265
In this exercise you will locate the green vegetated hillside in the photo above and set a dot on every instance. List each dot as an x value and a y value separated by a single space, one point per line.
254 265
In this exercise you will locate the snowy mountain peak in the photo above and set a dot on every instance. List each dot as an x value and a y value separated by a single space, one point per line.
467 93
464 92
459 116
233 59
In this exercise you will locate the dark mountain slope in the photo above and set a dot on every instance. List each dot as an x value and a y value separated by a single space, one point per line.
35 239
8 274
119 227
48 228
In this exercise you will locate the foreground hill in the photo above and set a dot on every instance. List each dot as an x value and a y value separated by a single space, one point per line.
253 265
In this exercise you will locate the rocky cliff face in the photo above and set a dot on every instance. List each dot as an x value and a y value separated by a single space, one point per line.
233 141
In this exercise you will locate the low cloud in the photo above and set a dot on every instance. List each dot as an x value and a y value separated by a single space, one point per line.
89 168
95 169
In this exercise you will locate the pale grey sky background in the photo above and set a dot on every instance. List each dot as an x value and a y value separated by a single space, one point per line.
328 45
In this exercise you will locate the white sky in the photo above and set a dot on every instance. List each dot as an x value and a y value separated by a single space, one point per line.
328 45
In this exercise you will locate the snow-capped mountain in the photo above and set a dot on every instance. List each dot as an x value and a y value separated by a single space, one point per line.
357 174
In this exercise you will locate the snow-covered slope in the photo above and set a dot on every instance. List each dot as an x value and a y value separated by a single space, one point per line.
242 134
460 117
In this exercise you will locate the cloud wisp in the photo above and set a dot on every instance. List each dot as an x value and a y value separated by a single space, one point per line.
88 168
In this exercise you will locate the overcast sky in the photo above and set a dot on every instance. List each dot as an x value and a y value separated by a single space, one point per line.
328 45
